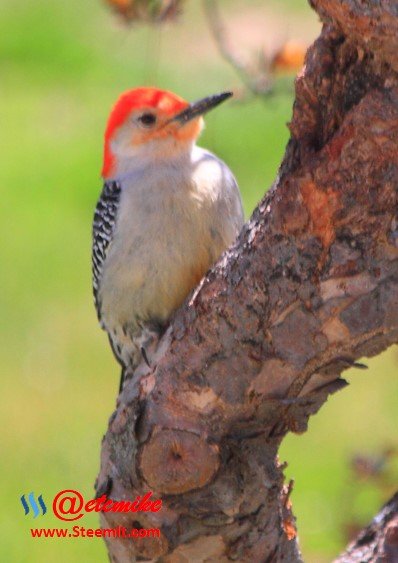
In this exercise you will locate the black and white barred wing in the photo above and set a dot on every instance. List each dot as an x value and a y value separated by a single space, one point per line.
103 229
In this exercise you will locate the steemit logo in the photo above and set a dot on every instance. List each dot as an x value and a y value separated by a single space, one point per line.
33 505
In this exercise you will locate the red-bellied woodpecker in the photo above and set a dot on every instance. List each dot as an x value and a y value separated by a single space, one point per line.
167 211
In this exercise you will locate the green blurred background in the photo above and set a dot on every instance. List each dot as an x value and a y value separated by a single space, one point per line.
62 66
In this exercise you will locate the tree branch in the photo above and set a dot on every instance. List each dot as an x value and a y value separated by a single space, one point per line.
310 286
258 82
377 542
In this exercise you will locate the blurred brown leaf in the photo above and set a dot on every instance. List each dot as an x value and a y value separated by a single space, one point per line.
148 11
289 58
372 467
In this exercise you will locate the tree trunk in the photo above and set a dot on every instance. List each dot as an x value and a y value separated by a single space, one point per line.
310 286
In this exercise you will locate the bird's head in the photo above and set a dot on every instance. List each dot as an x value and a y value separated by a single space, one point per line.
150 124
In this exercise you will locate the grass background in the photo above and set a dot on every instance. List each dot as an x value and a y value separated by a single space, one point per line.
62 65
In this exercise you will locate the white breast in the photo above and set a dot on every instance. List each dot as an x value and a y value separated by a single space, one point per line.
173 223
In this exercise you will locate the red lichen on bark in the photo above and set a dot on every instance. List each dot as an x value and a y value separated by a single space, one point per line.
322 206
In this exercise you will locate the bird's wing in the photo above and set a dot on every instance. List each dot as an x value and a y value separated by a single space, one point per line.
103 229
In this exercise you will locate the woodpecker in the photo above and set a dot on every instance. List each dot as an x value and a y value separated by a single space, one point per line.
167 211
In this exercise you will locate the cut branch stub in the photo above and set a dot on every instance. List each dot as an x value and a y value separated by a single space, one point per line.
174 461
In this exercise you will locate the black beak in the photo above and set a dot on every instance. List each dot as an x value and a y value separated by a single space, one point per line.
200 107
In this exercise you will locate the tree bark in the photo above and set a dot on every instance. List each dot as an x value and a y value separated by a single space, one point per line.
378 541
310 286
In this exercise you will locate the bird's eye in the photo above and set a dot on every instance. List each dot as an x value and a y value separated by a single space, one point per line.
147 119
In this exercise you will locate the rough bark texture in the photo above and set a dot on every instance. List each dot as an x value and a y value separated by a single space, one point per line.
379 541
310 286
